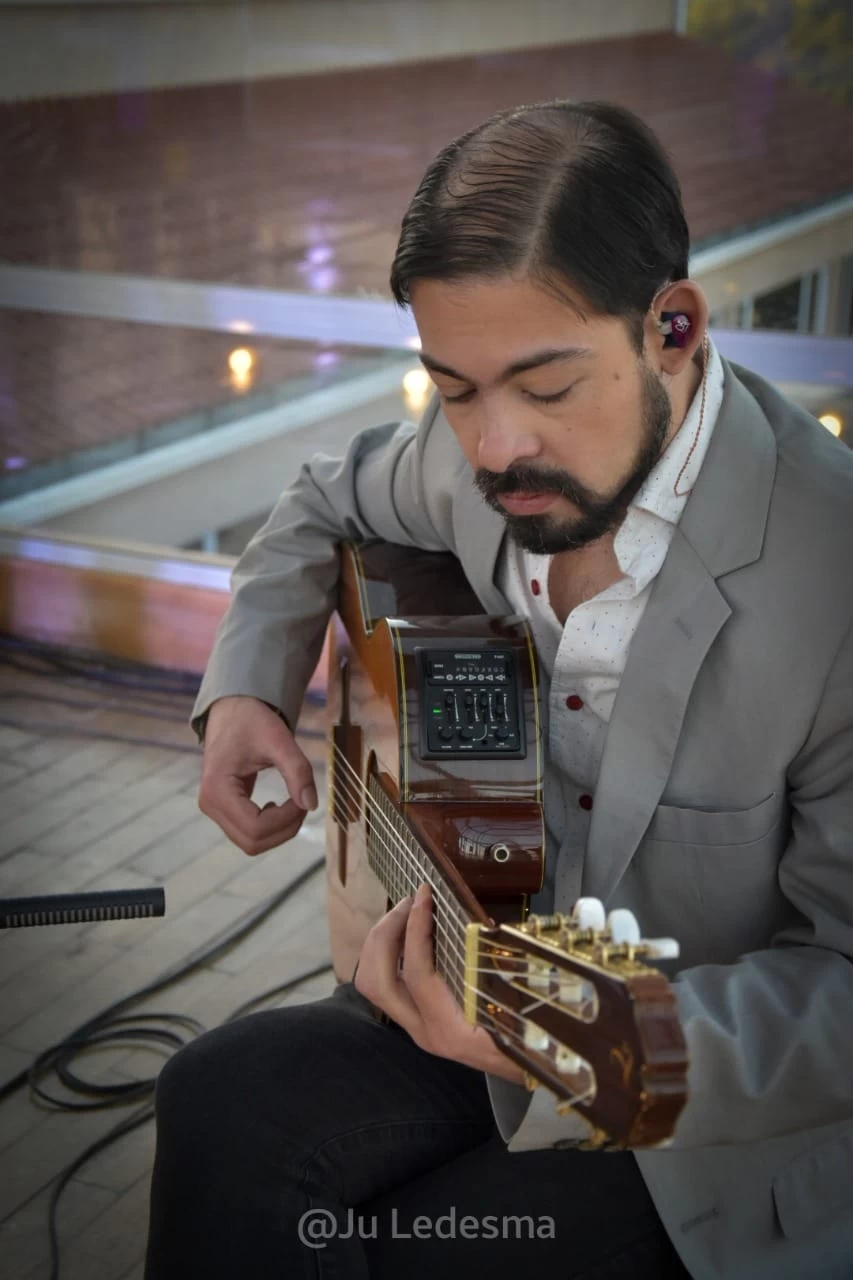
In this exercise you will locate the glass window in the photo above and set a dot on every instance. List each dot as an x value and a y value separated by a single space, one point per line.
778 309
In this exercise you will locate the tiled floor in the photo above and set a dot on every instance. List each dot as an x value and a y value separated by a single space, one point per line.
300 183
69 383
94 813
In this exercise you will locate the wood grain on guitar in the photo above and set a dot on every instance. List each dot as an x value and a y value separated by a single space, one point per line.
436 775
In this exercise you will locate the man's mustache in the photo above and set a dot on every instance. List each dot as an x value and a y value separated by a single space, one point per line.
494 484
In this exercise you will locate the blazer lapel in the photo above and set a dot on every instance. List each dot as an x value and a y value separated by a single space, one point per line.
683 616
722 529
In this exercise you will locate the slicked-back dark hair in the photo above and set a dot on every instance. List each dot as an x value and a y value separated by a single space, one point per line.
570 193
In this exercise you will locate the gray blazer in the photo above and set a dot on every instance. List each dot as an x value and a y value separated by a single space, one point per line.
724 808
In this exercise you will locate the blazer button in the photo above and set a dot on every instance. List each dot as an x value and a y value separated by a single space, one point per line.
573 702
534 586
585 802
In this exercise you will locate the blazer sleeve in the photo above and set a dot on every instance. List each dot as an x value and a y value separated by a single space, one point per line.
769 1037
284 584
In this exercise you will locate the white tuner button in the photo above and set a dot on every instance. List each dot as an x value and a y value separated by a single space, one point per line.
588 913
623 927
661 948
572 989
538 976
567 1061
535 1038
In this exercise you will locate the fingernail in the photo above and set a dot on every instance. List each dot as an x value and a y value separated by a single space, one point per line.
422 893
308 798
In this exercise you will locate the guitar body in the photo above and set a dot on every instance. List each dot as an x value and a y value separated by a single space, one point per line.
436 764
415 664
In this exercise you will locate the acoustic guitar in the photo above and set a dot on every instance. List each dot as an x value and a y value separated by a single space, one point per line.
436 775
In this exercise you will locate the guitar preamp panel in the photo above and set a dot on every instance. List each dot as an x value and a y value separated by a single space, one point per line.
470 705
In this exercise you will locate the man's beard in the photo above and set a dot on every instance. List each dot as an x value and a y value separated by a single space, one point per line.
544 535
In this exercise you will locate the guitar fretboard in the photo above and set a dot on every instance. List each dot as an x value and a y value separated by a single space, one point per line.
401 864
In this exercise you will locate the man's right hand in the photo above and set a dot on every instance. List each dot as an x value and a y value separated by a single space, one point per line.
242 737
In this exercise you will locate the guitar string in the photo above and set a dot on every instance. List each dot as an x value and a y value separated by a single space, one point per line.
451 975
538 1001
451 936
457 952
441 903
484 1016
448 953
485 1019
451 909
356 790
509 1033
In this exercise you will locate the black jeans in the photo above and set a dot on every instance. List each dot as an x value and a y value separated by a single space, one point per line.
282 1128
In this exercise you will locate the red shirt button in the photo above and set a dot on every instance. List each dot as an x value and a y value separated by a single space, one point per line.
534 586
573 702
585 802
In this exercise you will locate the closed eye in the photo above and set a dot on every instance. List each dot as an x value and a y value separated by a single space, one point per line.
552 399
555 398
460 399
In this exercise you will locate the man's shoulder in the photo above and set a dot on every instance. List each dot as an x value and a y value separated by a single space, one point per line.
814 469
801 579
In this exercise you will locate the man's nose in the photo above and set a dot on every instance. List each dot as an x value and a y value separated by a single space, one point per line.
503 440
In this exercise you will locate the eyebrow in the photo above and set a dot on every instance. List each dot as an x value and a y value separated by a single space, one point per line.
534 361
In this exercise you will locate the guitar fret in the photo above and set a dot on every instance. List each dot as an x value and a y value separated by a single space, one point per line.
401 864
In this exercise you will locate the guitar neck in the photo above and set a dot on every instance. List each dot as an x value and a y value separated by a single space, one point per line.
401 864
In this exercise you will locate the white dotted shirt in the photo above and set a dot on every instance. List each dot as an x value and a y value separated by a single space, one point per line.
582 662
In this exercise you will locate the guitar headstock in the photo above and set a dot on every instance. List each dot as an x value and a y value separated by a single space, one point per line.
574 1001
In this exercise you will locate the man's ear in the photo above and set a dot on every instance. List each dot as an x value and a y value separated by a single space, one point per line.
675 326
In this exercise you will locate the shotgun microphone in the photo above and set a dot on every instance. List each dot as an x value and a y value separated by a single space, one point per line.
79 908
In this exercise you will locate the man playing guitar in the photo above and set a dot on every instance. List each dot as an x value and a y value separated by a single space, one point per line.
678 537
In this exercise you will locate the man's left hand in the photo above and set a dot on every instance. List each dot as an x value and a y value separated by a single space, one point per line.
418 999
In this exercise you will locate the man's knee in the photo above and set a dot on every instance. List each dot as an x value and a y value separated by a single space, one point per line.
230 1075
254 1071
192 1086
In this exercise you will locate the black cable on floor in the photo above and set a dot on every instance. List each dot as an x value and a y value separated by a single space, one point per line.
143 693
112 1026
201 958
144 1114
